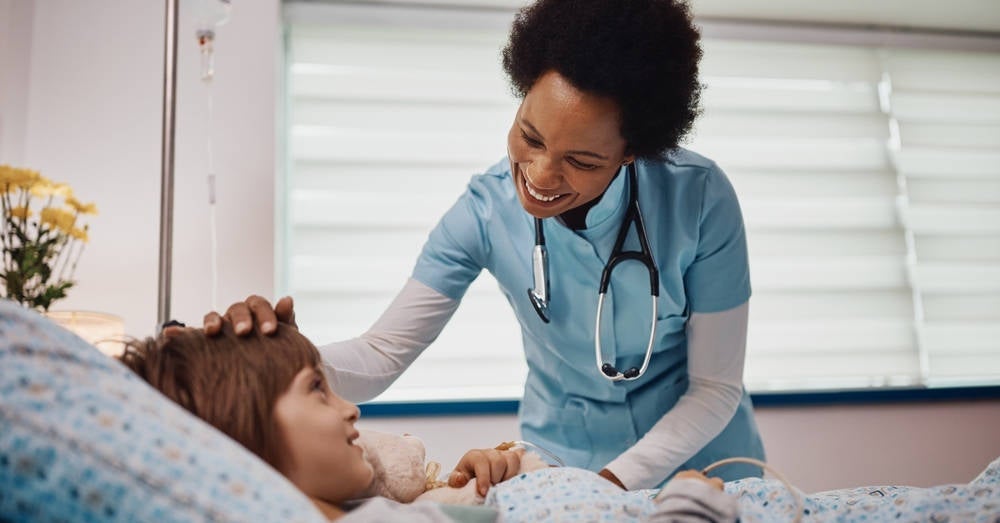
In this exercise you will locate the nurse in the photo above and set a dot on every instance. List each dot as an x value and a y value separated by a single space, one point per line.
605 86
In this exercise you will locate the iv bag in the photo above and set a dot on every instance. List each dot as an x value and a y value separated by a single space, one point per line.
208 14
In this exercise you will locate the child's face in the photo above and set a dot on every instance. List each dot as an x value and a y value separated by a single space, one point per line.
318 431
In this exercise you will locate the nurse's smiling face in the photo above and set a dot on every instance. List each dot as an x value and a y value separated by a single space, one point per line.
565 147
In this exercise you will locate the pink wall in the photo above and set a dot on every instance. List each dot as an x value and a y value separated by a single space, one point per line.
822 448
15 68
81 101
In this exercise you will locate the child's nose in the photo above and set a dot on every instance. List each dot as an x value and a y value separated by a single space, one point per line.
353 412
350 411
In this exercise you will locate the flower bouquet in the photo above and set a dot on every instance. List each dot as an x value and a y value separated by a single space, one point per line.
40 251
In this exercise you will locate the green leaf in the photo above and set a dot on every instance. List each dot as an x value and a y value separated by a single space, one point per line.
53 293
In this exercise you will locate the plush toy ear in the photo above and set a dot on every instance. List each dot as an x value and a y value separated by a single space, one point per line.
398 465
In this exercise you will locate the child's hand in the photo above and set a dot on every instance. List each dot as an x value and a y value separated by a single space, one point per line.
488 466
694 474
690 496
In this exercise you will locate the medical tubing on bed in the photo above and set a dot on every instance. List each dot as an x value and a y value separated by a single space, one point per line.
527 445
799 503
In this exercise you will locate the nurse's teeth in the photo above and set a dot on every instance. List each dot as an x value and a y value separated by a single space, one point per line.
537 196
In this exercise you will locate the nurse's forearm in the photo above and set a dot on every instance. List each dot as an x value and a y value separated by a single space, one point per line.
356 371
361 368
700 415
716 350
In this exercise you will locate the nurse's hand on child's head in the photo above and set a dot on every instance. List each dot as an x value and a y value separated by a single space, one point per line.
255 309
694 474
488 466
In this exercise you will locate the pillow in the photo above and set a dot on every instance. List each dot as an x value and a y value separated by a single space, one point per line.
84 439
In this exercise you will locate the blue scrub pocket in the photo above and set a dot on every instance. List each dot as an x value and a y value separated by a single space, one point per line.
660 394
575 441
558 426
573 424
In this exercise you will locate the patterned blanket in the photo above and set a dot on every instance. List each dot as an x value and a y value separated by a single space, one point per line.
576 495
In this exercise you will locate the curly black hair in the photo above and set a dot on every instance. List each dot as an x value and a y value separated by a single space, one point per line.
643 54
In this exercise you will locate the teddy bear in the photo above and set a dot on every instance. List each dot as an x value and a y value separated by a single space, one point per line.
403 474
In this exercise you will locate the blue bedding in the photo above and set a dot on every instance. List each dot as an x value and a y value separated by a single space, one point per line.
570 494
84 439
978 500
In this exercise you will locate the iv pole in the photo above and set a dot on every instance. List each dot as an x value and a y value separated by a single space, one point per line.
167 163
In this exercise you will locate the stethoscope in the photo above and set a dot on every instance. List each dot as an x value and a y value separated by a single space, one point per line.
539 294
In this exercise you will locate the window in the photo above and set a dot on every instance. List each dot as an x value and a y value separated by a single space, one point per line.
869 178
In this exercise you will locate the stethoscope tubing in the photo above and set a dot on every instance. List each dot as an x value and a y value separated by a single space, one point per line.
539 293
599 354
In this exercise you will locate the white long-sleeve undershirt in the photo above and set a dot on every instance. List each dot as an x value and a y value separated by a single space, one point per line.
716 344
361 368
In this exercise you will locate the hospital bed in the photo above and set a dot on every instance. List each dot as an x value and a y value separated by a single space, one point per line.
83 439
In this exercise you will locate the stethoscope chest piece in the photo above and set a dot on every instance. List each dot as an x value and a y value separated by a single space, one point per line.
539 294
541 306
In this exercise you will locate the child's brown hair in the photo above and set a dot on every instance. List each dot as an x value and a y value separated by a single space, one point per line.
229 381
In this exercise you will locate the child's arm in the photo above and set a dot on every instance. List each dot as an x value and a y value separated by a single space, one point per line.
692 497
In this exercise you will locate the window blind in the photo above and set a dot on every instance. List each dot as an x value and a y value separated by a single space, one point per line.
944 111
869 180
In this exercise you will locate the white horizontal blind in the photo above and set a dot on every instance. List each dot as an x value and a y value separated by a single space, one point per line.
389 118
390 114
945 110
799 130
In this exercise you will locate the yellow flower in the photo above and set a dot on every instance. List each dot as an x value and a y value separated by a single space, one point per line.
59 218
20 211
79 234
14 177
6 174
45 187
82 208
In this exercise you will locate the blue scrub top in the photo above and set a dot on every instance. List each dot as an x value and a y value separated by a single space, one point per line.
695 230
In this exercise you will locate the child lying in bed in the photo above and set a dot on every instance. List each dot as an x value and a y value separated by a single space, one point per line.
269 394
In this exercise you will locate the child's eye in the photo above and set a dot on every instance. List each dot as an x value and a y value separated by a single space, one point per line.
318 385
581 165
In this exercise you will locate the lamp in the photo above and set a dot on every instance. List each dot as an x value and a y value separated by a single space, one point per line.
102 330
